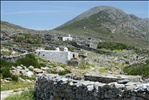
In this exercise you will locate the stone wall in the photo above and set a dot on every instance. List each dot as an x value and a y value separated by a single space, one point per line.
81 46
55 87
13 58
109 79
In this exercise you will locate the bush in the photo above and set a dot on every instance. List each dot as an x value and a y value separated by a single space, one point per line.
14 78
114 46
6 73
64 72
28 60
138 69
6 63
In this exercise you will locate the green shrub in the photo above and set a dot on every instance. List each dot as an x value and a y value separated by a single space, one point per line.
7 45
114 46
6 63
126 62
138 69
28 60
14 78
6 73
64 72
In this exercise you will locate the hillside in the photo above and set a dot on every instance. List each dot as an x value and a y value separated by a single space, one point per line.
10 28
110 24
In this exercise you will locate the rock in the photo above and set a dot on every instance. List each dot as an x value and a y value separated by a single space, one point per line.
131 87
27 73
37 70
45 68
38 75
119 85
18 72
19 67
29 81
31 67
12 68
147 89
58 69
21 79
73 76
8 79
64 80
90 87
123 81
122 73
146 80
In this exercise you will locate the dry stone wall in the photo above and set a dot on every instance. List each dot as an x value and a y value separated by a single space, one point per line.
55 87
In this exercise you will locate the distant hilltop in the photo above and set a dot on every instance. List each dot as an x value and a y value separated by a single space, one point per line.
111 24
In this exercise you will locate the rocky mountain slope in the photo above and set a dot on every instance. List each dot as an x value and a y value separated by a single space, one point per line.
12 28
110 24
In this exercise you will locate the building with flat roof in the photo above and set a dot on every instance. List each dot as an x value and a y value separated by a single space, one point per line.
57 55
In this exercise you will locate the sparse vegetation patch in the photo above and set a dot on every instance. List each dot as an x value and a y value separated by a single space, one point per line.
138 69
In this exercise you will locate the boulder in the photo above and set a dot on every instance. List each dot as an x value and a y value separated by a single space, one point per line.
37 70
21 79
31 67
8 79
27 73
12 68
19 67
58 69
123 81
45 68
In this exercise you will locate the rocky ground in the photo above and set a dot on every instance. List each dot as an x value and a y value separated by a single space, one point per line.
113 64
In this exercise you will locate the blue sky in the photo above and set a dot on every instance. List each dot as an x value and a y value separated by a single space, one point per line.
46 15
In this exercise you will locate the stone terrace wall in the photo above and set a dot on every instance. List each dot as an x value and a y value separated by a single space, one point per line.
13 58
55 87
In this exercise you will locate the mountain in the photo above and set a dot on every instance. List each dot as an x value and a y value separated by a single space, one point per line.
12 28
110 24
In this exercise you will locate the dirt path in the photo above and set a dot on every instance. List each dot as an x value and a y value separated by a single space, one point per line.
5 94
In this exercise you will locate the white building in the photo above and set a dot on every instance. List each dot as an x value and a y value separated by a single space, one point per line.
57 55
66 38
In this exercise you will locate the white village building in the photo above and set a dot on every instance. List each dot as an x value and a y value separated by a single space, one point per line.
66 38
57 55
